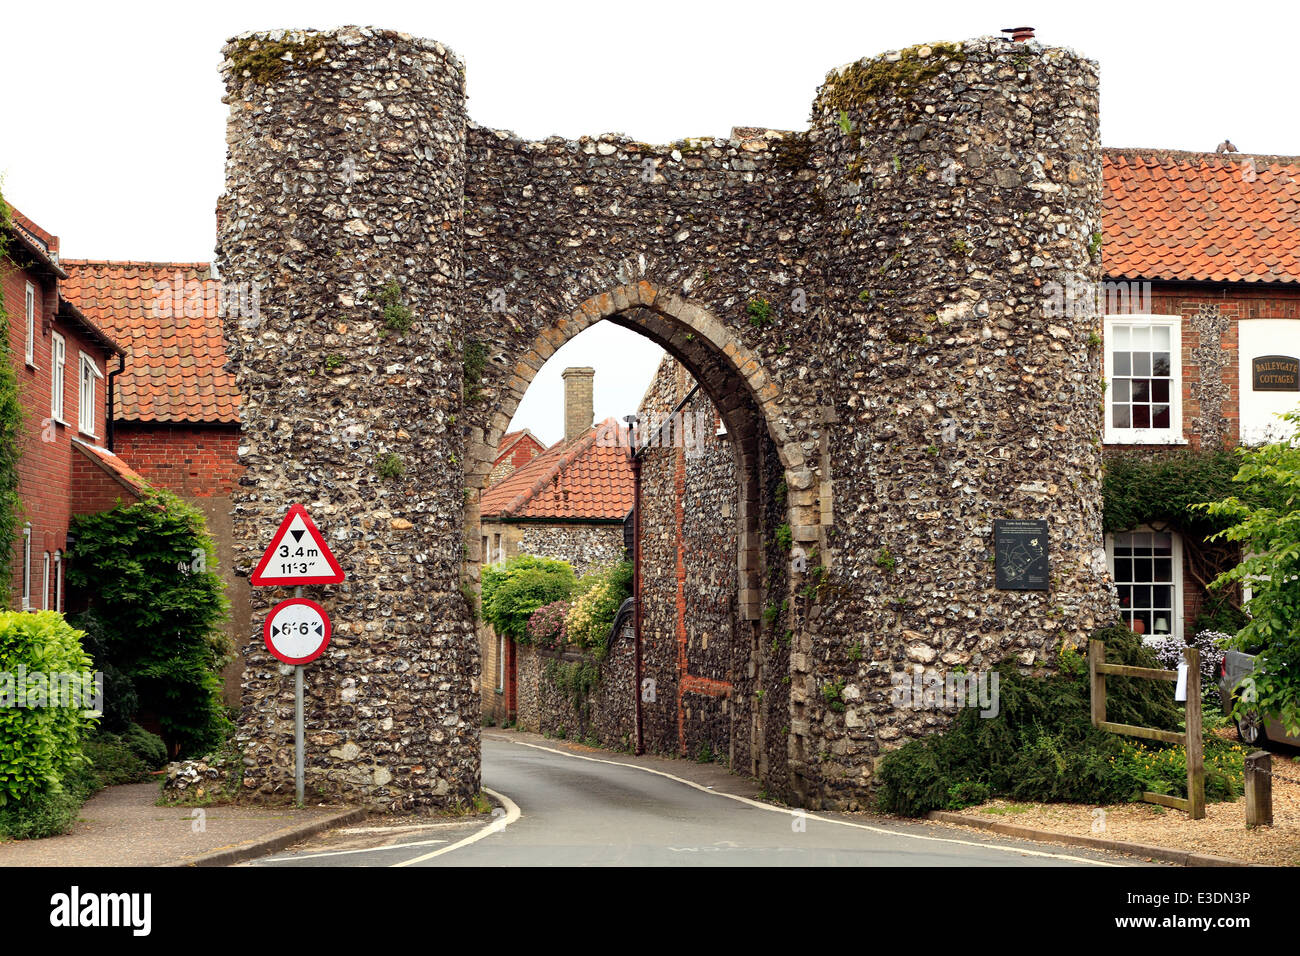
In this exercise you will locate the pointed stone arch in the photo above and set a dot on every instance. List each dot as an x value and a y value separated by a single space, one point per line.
730 373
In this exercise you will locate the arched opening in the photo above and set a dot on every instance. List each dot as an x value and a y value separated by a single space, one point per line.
712 675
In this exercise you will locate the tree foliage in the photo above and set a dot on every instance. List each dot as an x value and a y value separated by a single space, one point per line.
1264 519
514 590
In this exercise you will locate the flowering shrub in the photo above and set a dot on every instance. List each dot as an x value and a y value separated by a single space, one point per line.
592 614
546 626
1169 651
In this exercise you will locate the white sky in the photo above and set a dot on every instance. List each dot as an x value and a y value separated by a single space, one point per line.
114 132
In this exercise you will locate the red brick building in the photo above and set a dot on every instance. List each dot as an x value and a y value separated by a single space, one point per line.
1201 336
516 449
175 406
65 362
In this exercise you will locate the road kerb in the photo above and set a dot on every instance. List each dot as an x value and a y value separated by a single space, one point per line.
1165 854
275 841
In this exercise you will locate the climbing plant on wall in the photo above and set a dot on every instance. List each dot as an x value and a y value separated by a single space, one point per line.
1164 492
10 417
149 569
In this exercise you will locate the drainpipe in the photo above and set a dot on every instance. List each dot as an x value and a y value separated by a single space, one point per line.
636 581
121 364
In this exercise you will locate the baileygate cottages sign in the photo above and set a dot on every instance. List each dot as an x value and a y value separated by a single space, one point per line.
1275 373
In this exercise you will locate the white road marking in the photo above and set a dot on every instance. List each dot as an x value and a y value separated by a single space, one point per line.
496 826
368 849
804 815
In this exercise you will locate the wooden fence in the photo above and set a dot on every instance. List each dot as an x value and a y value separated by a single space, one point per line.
1191 739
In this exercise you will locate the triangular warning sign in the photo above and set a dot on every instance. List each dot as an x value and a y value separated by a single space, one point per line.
298 555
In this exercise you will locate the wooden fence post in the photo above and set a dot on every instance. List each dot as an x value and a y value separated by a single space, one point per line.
1195 737
1259 789
1097 681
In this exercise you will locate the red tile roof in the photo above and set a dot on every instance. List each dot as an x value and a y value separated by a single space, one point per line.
1210 217
584 478
166 314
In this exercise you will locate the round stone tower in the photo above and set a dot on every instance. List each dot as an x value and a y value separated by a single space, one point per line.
343 212
959 183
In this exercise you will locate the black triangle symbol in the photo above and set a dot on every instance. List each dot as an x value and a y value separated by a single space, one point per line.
320 630
297 533
274 630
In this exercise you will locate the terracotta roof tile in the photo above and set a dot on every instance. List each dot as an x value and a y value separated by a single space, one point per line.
583 478
166 316
1209 217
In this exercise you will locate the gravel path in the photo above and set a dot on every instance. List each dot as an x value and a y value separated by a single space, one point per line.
1222 833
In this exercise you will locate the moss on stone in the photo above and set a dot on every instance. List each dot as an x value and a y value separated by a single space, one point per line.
858 85
264 60
793 153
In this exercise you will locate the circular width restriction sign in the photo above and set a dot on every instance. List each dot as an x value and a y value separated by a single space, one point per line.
297 631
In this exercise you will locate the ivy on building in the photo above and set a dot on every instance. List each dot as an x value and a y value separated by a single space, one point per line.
1163 491
11 417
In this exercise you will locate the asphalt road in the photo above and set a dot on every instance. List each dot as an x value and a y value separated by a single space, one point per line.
595 808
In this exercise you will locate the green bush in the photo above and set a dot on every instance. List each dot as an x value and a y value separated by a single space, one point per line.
112 762
43 815
148 747
38 745
149 569
593 612
514 590
43 778
1042 746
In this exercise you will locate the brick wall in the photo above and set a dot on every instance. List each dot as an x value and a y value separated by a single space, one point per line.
52 482
195 461
1211 387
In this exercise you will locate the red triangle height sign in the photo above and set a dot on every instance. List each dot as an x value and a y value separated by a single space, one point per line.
298 555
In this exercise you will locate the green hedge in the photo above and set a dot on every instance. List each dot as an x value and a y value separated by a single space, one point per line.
42 767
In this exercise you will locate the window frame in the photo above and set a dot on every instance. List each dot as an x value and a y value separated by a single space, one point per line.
501 663
58 376
1173 435
87 362
1176 575
27 568
29 317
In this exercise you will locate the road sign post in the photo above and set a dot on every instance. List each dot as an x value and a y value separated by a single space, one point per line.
297 631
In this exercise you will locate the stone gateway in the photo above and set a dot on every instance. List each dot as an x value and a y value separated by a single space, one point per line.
862 302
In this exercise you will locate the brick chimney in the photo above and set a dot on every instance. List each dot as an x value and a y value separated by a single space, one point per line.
579 407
